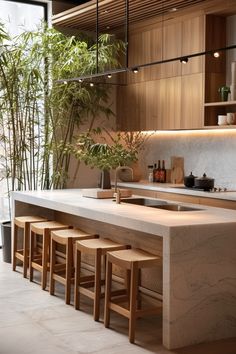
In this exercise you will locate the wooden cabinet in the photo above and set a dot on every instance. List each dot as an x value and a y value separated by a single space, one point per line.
164 96
192 88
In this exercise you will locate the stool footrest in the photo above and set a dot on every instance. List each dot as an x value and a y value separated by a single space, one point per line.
19 256
121 310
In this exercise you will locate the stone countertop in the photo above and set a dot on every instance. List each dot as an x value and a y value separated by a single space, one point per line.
140 218
178 189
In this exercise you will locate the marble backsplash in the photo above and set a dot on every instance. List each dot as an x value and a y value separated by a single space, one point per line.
209 151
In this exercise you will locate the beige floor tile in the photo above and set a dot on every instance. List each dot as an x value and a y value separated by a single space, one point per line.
32 321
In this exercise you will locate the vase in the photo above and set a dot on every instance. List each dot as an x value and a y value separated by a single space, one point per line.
224 95
105 179
131 174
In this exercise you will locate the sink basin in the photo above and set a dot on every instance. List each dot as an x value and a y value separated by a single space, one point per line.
144 201
159 204
176 207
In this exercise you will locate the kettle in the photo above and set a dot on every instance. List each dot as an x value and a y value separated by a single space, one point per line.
189 180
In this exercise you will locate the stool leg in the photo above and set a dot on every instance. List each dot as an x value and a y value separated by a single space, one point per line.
77 278
108 284
31 256
52 267
127 284
97 285
14 247
26 249
69 255
133 298
139 299
45 258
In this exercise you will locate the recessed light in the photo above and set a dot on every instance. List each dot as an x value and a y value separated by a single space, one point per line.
173 9
65 82
80 80
108 27
91 84
184 60
135 70
216 54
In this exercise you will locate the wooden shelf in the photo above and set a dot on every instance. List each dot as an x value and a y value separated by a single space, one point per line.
223 103
219 126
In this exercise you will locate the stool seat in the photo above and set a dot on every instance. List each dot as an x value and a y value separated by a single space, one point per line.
98 248
62 270
50 225
40 261
127 257
23 222
73 233
133 260
99 243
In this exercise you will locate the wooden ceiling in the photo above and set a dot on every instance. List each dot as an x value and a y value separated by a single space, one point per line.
112 13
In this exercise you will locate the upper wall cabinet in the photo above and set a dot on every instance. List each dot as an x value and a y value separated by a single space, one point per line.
169 95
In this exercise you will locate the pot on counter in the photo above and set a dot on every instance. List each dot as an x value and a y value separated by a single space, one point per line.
189 180
204 182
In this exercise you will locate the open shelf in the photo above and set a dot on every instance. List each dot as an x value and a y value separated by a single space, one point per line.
222 103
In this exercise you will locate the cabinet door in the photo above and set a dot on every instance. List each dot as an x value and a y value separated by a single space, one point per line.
171 49
191 101
193 42
171 103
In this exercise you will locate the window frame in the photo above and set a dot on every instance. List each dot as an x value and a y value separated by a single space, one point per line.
36 3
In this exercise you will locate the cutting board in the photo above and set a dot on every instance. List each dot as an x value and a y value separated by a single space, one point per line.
177 169
99 193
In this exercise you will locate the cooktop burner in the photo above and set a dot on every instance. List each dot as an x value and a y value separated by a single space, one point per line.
203 190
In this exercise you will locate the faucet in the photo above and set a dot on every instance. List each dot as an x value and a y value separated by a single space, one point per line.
120 168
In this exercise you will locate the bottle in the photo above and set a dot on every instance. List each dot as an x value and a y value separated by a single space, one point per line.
150 173
163 173
154 172
157 174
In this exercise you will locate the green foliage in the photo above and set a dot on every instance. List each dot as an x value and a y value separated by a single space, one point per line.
38 116
118 150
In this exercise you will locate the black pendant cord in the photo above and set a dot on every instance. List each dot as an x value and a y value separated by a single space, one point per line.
97 29
127 33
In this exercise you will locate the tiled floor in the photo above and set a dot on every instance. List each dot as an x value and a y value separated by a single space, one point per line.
32 321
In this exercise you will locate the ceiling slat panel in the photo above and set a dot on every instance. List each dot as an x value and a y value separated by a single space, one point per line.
112 12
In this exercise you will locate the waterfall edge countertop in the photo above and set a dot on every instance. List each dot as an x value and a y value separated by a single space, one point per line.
199 263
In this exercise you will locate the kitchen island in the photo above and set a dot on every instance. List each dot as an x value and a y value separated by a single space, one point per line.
198 249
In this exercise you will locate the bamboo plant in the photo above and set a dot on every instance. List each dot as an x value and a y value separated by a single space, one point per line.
38 116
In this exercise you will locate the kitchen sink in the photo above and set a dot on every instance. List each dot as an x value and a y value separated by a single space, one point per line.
144 201
159 204
176 207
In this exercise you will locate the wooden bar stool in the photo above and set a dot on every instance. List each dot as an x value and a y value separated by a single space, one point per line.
23 222
98 248
40 260
64 272
133 260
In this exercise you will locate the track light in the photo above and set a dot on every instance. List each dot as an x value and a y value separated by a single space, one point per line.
184 60
109 76
91 84
216 54
135 70
65 82
80 80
